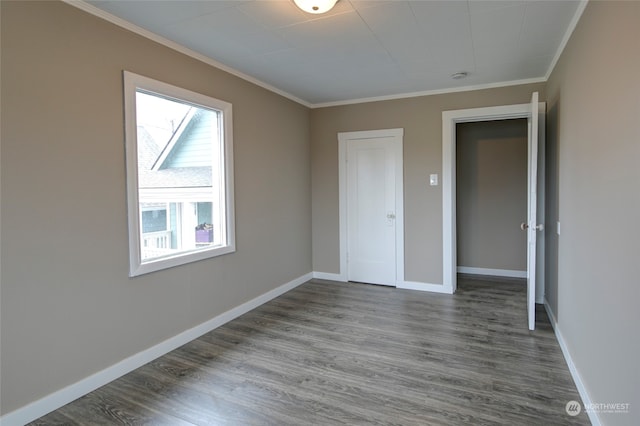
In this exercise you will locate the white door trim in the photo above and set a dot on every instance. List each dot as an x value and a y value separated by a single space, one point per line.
449 121
343 138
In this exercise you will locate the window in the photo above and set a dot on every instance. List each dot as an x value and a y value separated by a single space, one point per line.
179 154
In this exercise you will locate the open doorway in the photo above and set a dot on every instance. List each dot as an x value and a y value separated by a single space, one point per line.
491 176
534 113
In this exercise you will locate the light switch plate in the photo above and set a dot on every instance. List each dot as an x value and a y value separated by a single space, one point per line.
558 228
433 180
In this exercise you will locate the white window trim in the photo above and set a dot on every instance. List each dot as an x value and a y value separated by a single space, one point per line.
132 83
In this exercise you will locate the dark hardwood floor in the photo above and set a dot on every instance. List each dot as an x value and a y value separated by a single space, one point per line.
327 353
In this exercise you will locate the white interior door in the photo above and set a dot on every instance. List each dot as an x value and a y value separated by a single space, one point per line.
371 211
532 208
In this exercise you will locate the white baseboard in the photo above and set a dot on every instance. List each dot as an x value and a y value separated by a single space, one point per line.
72 392
492 272
414 285
582 390
329 276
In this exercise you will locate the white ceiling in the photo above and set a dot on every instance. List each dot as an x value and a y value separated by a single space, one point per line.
365 49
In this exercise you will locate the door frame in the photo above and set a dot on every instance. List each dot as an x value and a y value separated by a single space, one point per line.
343 140
449 141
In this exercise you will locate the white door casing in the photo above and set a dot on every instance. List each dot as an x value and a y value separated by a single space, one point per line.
371 206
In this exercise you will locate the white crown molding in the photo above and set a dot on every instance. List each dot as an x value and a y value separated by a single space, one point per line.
430 92
567 35
82 5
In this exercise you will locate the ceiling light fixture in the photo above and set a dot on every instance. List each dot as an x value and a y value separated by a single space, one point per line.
459 75
315 6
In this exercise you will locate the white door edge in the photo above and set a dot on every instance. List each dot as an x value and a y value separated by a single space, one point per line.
532 208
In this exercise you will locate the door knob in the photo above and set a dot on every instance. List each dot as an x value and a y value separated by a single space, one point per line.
524 227
391 216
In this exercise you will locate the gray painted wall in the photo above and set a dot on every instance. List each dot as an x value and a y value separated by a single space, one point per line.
491 201
594 134
421 118
68 307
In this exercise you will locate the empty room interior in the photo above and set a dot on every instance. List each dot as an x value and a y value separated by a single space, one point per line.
390 212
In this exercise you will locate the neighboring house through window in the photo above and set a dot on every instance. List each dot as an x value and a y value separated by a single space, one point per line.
179 164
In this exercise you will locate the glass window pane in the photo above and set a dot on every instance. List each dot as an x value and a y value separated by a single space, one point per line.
176 146
180 150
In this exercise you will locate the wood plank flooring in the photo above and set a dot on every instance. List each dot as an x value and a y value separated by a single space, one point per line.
356 354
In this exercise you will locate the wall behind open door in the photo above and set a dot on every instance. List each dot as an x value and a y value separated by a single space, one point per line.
491 197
